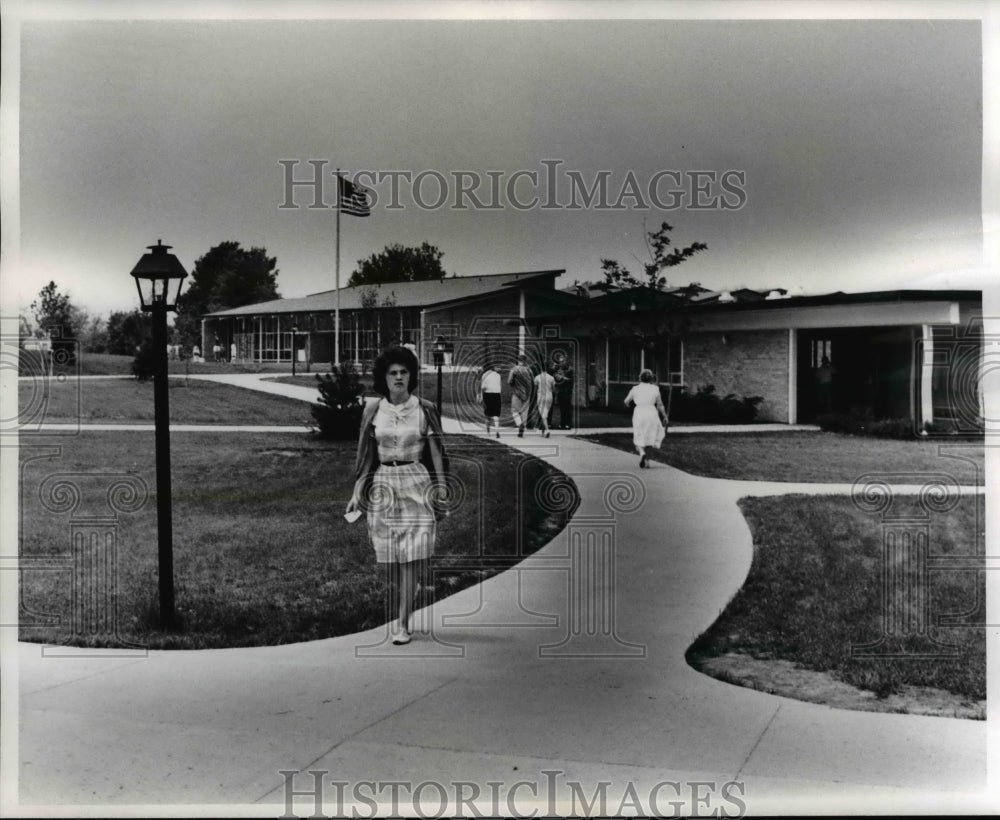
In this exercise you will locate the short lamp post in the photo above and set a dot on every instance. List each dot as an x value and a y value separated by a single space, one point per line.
295 352
439 361
158 278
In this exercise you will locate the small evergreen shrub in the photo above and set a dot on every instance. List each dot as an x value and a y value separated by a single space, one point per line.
955 427
144 363
706 405
892 428
337 415
865 424
852 424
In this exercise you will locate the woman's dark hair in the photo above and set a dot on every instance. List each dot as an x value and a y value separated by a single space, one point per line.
646 376
395 355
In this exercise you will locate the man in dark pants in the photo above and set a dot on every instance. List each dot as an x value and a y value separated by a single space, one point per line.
521 382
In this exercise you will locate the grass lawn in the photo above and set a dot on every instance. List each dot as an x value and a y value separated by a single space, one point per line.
128 401
112 364
809 457
815 589
262 553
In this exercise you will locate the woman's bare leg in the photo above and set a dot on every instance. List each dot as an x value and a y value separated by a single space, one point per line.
408 574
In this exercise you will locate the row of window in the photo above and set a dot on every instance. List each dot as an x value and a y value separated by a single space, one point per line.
629 357
364 337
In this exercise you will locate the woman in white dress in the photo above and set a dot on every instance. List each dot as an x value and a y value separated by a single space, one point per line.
647 427
545 385
400 480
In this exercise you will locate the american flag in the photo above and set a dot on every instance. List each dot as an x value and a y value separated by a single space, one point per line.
353 198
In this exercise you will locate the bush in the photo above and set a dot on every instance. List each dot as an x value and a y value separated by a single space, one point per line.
706 405
849 423
144 364
865 424
338 413
891 428
955 427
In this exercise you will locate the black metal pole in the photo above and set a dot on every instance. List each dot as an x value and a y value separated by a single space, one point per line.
161 409
294 351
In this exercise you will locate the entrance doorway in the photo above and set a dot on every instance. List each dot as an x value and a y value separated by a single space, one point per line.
865 370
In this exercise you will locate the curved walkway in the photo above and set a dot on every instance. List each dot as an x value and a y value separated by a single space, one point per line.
569 667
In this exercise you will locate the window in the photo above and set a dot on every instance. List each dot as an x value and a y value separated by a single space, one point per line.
626 358
820 349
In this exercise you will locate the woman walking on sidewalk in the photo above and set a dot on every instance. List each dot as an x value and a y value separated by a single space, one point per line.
647 429
490 386
520 383
400 481
544 387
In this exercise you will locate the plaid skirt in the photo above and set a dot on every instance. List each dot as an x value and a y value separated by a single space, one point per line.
400 515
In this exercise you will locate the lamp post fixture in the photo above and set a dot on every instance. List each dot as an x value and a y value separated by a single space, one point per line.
158 278
295 352
439 361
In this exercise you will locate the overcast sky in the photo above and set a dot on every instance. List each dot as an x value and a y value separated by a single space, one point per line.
857 146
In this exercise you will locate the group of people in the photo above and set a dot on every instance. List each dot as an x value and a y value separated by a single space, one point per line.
176 352
532 396
401 470
649 417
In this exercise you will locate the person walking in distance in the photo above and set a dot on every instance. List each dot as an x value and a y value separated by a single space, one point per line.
545 385
647 429
489 391
401 473
564 396
520 383
824 385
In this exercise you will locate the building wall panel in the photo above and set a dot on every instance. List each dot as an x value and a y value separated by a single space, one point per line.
747 363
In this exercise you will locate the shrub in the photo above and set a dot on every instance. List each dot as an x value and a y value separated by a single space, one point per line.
865 424
707 406
338 412
891 428
955 427
850 423
144 363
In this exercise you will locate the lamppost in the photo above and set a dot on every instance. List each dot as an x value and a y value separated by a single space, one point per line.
295 352
158 278
439 360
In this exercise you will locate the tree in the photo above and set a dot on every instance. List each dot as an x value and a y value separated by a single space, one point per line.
228 276
127 331
399 264
93 333
59 319
55 313
662 310
24 330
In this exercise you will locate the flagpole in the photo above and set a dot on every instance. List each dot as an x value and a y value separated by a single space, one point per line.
336 319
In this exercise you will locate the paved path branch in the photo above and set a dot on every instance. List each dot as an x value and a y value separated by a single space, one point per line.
571 662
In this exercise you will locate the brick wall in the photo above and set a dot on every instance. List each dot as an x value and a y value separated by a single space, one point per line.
747 363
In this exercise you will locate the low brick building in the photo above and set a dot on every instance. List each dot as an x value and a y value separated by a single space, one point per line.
894 354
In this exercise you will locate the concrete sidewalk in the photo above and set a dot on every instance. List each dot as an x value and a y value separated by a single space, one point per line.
568 668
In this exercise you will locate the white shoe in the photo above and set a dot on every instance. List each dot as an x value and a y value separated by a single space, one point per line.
398 633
